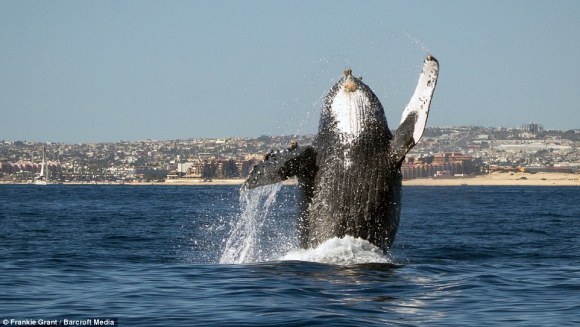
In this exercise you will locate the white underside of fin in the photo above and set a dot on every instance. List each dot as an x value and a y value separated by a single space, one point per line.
421 99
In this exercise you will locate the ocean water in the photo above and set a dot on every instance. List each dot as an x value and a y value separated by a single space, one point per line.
204 256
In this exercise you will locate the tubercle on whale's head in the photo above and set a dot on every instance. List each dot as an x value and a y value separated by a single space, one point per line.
349 82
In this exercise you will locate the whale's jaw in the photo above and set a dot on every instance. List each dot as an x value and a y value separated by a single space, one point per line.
349 111
352 104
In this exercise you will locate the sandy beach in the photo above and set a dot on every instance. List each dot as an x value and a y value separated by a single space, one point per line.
493 179
214 182
502 179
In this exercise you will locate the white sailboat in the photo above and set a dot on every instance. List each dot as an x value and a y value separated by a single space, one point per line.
42 177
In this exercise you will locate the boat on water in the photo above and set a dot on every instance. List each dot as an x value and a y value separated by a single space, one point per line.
42 177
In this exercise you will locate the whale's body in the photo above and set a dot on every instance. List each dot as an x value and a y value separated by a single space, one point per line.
350 178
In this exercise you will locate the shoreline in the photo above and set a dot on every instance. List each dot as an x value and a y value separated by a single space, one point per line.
493 179
502 179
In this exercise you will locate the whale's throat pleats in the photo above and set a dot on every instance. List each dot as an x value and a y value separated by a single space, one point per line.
350 110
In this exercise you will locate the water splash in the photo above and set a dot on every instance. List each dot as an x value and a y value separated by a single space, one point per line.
243 244
341 251
416 41
259 236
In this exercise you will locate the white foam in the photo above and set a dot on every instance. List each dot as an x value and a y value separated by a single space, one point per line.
341 251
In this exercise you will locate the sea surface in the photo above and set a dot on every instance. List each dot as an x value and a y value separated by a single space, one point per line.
206 256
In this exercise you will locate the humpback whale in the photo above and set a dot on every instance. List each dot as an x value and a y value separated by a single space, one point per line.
350 178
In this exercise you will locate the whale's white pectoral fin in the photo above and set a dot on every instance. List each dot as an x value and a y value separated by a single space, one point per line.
415 115
421 100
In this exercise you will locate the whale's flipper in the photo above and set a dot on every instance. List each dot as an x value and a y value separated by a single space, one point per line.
280 165
415 114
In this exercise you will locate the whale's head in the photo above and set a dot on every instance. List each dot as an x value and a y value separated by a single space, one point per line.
351 107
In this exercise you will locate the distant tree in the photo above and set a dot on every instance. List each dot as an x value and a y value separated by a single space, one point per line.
208 171
230 169
155 174
473 166
264 138
571 135
427 159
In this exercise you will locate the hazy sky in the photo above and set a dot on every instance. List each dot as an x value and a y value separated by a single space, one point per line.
84 71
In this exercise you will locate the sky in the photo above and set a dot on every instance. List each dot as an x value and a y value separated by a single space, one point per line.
106 71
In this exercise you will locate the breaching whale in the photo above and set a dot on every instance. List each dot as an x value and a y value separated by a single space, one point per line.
349 179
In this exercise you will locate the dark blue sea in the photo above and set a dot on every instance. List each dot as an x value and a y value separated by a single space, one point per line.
150 256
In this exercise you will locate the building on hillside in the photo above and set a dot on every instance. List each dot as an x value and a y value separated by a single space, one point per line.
532 128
